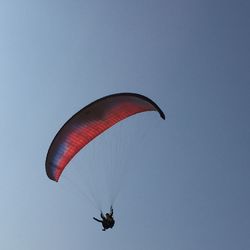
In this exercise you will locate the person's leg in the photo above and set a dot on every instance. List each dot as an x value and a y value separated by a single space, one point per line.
97 219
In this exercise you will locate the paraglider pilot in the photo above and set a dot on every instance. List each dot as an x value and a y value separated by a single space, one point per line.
107 220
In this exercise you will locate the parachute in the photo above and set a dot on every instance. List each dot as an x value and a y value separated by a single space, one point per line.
90 122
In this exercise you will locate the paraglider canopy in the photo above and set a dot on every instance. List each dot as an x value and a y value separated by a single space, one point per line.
90 122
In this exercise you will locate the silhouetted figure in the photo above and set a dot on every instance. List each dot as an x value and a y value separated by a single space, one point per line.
107 220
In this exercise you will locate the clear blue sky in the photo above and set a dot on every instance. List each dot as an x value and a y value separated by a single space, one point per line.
188 181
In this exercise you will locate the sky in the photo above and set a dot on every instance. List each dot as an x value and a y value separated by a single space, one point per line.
186 179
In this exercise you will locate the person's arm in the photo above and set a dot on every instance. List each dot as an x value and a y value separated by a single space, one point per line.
102 216
111 211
